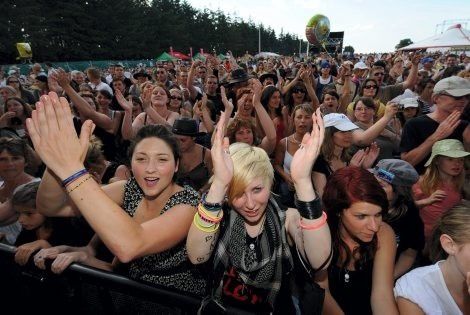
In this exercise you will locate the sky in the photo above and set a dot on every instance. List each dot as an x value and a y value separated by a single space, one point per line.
369 26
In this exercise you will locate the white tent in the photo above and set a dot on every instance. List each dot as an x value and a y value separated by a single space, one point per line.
266 55
454 37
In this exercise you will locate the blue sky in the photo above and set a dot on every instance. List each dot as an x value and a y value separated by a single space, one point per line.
370 26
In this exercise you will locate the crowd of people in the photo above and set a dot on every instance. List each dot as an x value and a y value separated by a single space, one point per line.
332 185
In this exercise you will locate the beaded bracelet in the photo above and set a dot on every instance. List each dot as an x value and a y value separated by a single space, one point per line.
74 176
213 228
316 225
79 184
210 206
309 209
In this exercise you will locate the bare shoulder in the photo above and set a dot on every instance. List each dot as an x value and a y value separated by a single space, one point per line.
115 191
386 235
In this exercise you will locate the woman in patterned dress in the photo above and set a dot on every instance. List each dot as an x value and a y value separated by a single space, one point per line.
143 221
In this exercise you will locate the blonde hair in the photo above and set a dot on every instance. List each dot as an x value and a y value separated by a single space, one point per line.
455 224
249 163
430 181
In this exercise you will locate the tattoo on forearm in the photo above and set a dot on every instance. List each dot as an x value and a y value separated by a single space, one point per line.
208 238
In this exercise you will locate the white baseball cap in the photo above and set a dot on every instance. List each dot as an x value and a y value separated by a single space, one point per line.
339 121
409 102
360 65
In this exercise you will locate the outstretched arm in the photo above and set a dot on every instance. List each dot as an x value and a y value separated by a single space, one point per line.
57 144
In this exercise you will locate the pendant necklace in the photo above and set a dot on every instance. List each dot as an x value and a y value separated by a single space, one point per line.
252 245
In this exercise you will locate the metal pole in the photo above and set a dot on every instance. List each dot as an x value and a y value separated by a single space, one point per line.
300 47
259 39
308 48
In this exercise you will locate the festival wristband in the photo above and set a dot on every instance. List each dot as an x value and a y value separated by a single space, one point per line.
208 217
315 225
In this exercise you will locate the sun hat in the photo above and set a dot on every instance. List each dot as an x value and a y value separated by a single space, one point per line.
265 75
238 75
448 147
396 172
339 121
454 86
186 127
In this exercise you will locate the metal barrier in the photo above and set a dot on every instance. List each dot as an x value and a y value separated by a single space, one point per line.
73 287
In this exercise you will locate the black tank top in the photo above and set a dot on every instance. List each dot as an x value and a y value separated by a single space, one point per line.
352 289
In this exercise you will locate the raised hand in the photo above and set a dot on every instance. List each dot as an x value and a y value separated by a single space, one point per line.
370 155
54 137
304 158
147 98
358 158
125 104
61 77
257 91
391 109
221 160
448 126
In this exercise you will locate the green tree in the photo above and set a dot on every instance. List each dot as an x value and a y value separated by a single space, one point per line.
403 43
349 49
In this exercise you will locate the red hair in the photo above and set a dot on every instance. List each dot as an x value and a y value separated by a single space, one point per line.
344 188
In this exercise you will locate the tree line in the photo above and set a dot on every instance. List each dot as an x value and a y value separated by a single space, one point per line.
63 30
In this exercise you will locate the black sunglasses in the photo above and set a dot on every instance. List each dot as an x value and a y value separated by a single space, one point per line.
370 87
298 90
176 98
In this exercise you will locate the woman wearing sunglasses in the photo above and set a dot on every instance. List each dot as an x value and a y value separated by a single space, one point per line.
369 88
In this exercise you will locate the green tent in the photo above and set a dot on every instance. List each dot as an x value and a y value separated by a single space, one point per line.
165 57
199 56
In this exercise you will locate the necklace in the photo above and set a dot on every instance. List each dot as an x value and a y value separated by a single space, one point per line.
253 244
346 275
295 140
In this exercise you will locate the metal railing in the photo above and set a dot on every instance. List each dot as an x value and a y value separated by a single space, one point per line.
72 289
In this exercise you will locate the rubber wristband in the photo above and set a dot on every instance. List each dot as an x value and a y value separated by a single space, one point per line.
315 225
74 176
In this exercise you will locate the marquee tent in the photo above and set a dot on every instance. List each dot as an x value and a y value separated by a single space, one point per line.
454 37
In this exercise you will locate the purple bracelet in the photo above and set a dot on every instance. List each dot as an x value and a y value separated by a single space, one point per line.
74 176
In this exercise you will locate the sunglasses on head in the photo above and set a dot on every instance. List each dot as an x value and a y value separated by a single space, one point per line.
298 90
